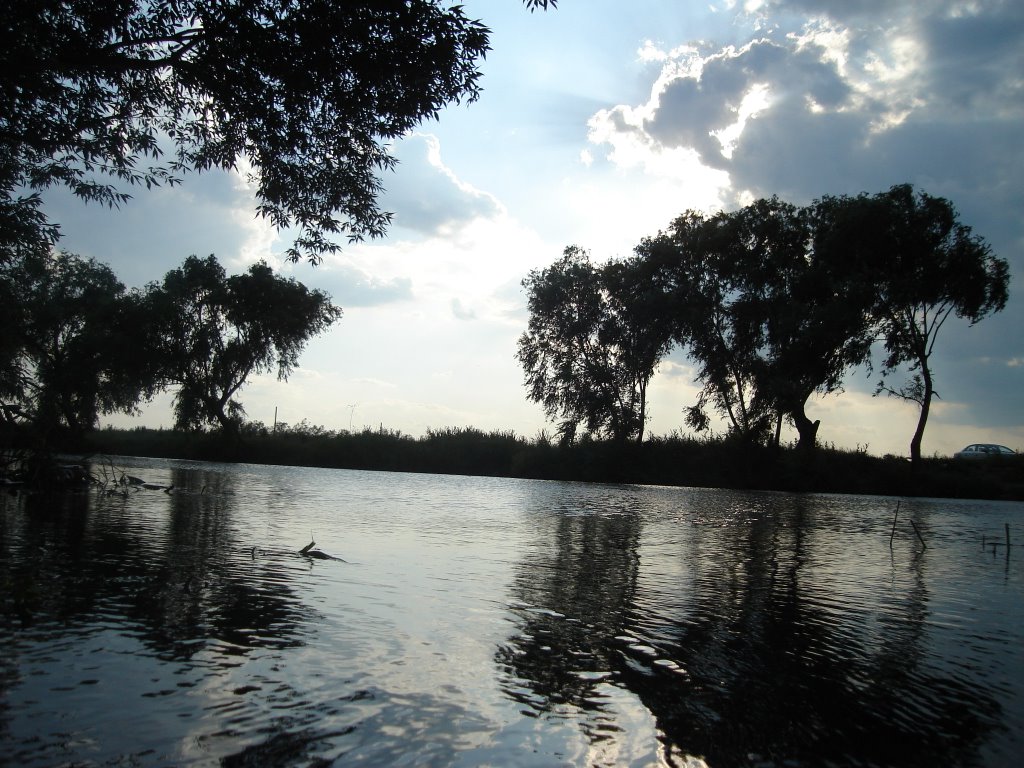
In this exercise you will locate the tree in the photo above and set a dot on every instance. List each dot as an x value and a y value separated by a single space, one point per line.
641 341
215 331
814 328
767 321
920 266
305 94
585 357
70 344
703 305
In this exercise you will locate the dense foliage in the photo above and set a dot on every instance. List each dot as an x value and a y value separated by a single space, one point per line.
76 344
773 303
71 348
211 332
589 352
100 96
912 265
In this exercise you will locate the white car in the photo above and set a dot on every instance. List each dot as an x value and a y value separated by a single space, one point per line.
984 451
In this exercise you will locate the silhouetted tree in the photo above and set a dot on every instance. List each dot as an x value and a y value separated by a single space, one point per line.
814 329
918 265
768 322
69 348
587 356
303 95
641 339
214 331
11 341
704 305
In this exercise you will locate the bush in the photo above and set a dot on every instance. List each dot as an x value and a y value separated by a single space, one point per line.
666 460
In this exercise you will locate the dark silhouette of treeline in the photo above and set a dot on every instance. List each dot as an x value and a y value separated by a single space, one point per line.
77 343
666 460
771 303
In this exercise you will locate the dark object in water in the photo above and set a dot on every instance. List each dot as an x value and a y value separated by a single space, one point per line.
308 551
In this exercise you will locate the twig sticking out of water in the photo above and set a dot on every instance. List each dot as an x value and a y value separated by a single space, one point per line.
919 538
894 517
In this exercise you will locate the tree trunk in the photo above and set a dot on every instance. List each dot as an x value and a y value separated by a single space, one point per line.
643 413
228 425
922 419
806 429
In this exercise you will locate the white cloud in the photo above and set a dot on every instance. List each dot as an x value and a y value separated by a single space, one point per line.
426 196
353 286
461 311
259 239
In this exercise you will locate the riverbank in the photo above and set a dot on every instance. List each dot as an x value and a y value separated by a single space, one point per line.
670 460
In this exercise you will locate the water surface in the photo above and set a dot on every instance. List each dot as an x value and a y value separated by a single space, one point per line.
480 621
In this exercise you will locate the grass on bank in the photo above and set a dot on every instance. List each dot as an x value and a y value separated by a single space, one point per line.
667 460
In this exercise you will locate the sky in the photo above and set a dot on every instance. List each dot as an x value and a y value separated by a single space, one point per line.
599 123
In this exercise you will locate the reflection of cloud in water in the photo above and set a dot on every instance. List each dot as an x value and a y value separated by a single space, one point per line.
376 727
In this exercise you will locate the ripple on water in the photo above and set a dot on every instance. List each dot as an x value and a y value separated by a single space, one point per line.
501 622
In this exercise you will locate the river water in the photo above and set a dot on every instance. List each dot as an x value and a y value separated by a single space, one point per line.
481 621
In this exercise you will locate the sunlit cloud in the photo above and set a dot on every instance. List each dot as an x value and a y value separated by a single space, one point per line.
259 239
426 196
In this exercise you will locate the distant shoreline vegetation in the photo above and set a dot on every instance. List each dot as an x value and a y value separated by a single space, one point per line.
673 460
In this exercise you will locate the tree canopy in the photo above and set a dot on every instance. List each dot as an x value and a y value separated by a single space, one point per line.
213 331
760 310
76 344
703 306
71 347
772 302
588 355
102 96
914 265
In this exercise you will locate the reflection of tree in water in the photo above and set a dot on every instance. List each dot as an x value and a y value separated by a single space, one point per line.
123 584
755 665
776 670
571 598
82 558
207 585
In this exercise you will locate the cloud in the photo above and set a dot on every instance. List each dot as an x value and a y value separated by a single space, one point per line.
989 387
214 212
351 286
707 97
427 197
462 312
158 228
844 97
844 103
837 97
